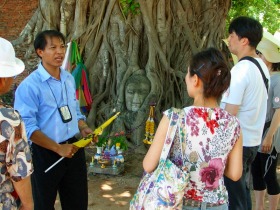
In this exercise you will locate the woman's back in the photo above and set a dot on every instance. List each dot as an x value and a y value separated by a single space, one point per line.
207 136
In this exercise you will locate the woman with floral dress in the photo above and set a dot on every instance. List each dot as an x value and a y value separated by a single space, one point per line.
212 141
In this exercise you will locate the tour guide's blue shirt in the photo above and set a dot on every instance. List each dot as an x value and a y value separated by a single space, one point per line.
37 99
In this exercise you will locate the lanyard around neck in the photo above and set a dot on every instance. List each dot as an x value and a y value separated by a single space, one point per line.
61 94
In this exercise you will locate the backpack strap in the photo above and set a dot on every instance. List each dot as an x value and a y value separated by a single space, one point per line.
253 60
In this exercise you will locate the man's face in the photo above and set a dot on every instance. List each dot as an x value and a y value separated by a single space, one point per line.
233 43
53 54
6 84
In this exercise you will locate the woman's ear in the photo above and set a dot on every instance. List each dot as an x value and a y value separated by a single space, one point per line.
195 80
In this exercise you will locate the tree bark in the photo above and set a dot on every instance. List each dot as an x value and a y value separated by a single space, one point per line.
158 40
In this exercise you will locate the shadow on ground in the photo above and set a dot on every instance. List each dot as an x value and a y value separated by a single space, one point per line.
113 192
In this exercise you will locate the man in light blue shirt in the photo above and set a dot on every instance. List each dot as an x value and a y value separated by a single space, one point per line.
47 102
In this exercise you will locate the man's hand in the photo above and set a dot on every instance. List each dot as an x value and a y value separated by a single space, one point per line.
67 150
85 131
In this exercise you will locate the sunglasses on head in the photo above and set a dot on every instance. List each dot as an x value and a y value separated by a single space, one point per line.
258 52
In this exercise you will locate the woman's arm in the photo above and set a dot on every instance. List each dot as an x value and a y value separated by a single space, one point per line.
234 165
24 191
274 125
151 159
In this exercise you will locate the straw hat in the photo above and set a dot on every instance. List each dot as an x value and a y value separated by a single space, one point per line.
10 66
269 46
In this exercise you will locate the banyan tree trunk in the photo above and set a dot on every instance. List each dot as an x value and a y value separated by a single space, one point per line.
136 52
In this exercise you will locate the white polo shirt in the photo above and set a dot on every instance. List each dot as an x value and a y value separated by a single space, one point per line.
247 90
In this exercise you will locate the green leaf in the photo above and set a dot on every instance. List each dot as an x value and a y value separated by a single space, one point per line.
267 12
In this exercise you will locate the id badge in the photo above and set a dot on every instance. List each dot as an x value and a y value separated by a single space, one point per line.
65 113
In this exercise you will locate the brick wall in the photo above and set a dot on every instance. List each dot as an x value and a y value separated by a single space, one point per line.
14 15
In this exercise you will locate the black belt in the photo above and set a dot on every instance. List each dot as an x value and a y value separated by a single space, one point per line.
69 141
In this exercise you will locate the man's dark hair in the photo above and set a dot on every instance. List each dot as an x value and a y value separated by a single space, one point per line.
246 27
40 41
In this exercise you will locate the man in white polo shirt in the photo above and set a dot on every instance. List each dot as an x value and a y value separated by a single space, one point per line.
246 98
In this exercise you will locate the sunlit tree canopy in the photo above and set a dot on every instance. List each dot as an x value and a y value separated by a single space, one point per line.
266 11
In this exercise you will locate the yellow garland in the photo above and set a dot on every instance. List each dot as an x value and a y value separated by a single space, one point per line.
150 127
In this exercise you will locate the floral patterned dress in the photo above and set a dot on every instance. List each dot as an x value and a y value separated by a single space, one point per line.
15 157
207 136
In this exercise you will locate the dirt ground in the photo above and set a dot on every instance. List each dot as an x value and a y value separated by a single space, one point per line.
113 192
